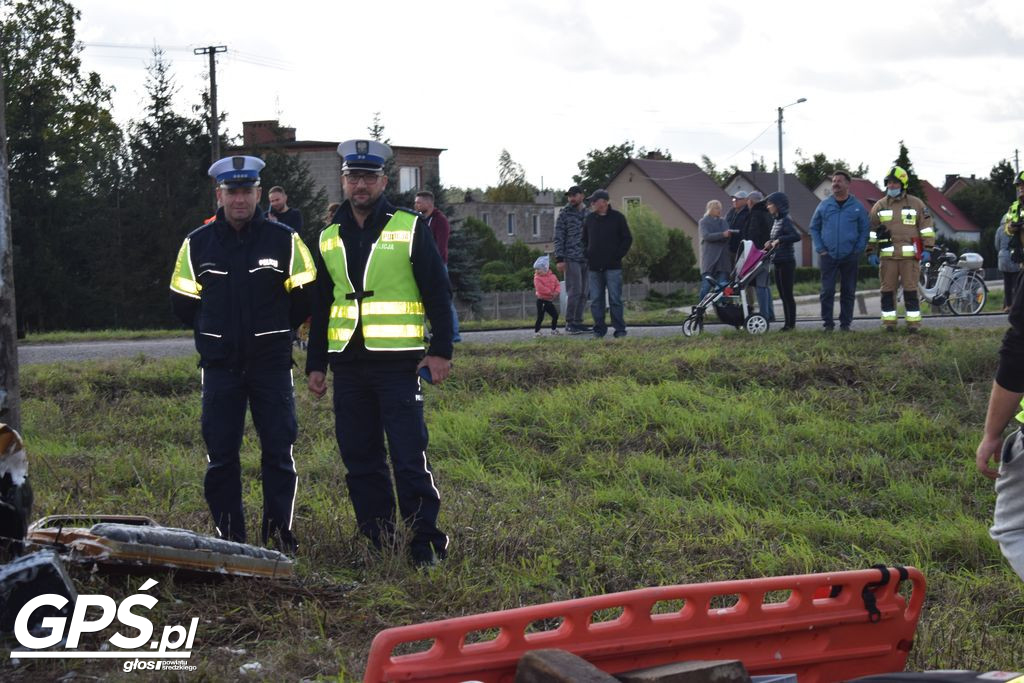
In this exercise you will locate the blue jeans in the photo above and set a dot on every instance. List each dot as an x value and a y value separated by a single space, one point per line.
600 280
455 314
846 269
705 284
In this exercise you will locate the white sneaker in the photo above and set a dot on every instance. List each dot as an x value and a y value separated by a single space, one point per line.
536 334
556 331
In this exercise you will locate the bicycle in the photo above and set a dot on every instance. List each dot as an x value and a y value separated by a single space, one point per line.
953 282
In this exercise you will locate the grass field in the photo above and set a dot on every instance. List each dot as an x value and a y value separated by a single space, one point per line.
571 469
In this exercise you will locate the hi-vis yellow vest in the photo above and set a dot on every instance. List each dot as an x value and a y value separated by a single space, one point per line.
392 316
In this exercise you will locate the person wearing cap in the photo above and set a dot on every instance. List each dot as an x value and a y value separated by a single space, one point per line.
759 230
379 272
899 224
737 218
1004 406
839 231
242 284
570 259
606 241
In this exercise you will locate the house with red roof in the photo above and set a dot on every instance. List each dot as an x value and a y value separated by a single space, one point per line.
950 222
677 191
866 191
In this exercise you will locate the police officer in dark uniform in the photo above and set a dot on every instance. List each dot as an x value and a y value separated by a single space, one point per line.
378 273
243 284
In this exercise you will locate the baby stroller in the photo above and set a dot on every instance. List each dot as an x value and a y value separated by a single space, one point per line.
728 300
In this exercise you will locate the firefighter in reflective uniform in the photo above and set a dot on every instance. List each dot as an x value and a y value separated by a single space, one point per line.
379 273
1013 221
898 223
243 283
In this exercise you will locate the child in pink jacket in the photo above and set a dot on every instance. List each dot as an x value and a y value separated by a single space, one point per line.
546 286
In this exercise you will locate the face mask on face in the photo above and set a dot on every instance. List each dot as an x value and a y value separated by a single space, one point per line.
893 193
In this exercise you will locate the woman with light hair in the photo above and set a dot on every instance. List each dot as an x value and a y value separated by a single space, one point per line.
714 247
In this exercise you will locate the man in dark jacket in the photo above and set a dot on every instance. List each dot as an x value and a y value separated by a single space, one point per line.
572 263
241 282
280 211
759 228
606 240
379 273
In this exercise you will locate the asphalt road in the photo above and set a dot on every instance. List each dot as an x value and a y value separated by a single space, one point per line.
31 354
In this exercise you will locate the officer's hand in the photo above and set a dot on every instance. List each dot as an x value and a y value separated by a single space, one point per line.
317 383
873 260
926 256
561 266
439 368
990 449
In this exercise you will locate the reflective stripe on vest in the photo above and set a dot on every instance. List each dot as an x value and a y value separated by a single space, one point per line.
908 251
183 280
1020 415
888 252
927 233
392 318
913 316
885 215
302 270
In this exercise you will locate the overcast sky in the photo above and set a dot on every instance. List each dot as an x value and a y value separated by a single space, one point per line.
550 80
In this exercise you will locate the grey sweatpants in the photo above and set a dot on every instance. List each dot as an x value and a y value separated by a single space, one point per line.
1008 527
576 292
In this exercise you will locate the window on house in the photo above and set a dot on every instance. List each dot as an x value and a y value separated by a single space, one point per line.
408 178
511 224
486 218
629 202
536 225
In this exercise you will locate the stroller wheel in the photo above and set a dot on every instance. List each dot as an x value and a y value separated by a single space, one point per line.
757 324
692 327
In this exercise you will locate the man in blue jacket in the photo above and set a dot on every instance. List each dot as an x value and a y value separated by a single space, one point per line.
839 231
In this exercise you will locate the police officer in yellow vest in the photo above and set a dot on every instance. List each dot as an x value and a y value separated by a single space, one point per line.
242 283
379 273
898 223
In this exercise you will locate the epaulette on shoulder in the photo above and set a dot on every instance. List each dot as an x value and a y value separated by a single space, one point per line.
414 213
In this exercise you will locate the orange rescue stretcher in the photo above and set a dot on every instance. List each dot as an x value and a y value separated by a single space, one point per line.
820 627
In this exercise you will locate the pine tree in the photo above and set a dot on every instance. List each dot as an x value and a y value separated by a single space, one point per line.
904 162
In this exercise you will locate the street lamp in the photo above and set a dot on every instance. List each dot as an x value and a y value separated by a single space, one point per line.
802 99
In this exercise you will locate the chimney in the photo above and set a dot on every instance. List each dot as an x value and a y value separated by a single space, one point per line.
256 133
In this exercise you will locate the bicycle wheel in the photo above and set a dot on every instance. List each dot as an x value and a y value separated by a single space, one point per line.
967 294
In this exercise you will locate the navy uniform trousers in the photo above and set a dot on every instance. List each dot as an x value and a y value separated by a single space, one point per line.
374 399
270 396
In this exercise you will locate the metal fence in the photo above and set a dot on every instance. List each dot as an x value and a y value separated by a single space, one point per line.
521 304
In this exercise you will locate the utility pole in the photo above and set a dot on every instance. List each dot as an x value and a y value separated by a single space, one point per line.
1016 161
781 172
212 50
10 396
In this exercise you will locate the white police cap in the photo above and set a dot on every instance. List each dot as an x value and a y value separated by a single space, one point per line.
239 171
363 155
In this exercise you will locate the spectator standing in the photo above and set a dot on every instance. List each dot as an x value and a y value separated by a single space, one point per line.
242 284
839 231
606 241
570 259
739 210
380 274
783 236
759 230
1007 266
281 212
441 230
546 287
714 247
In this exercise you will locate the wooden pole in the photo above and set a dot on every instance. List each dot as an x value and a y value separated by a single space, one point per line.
10 396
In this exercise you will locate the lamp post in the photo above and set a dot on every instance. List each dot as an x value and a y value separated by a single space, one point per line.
802 99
